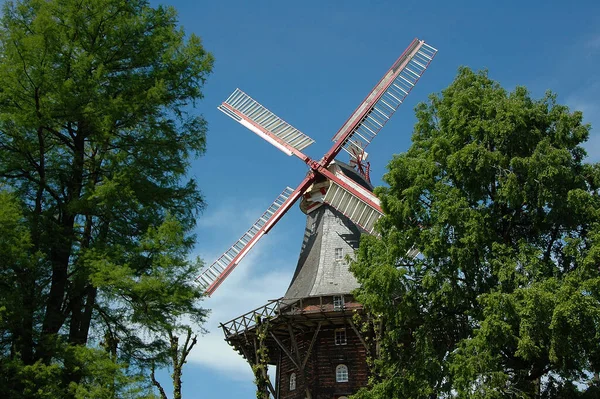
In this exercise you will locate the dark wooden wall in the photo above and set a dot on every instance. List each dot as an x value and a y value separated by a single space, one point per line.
320 371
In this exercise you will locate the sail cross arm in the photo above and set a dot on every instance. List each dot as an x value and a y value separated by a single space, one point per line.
381 103
358 204
212 276
250 113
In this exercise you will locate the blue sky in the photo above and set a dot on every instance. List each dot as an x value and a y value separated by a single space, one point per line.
311 63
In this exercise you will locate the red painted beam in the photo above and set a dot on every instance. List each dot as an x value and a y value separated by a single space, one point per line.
270 135
367 105
297 193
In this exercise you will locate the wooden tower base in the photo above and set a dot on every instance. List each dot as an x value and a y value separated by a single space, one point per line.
316 345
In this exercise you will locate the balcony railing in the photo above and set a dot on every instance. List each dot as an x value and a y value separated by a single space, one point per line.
287 307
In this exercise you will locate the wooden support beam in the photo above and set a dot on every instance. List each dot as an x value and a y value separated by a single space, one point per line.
295 345
278 377
271 389
248 358
225 330
285 350
312 343
358 334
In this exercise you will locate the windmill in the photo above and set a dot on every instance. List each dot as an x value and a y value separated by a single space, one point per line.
310 333
340 192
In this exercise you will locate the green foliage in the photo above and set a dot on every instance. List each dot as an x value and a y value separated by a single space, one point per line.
260 367
504 300
103 379
96 135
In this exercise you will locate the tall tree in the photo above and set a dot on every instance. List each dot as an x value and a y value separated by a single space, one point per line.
504 299
96 134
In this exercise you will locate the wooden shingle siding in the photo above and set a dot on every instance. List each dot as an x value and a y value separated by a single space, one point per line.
320 370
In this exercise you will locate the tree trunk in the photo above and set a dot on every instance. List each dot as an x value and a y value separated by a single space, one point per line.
161 391
60 255
179 358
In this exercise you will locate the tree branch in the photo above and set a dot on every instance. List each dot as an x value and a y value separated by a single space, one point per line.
163 395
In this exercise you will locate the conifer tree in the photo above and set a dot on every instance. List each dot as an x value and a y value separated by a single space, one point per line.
504 299
97 129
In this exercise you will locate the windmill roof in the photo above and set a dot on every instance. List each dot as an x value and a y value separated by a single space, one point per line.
329 236
353 174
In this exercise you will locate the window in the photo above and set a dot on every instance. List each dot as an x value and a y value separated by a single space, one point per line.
338 302
341 373
292 381
339 254
340 336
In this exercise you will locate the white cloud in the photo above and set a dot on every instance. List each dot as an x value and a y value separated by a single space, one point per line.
230 215
593 43
264 274
240 293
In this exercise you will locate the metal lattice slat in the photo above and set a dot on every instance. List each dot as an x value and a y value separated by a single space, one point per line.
264 118
390 100
212 272
358 211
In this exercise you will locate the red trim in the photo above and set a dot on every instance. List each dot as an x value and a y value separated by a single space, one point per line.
294 151
308 180
349 188
337 146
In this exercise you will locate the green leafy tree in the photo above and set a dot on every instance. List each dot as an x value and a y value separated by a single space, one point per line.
504 299
261 364
102 375
96 135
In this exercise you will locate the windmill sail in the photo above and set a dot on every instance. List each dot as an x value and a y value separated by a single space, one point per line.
373 113
359 211
247 111
353 200
213 275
